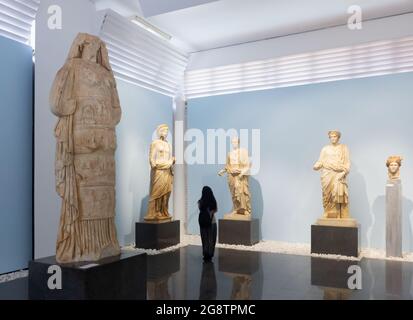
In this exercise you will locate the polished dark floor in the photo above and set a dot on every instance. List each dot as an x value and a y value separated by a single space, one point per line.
235 274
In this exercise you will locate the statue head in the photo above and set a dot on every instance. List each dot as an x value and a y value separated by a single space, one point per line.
91 48
235 142
334 136
162 131
393 164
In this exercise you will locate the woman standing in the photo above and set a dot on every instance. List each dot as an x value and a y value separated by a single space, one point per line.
207 208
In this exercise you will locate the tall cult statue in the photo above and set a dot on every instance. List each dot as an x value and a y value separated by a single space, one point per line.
85 99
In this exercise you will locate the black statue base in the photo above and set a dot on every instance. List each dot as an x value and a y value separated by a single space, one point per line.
238 232
150 235
120 277
335 240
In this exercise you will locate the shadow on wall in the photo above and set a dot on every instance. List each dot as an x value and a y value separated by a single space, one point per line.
378 229
143 208
257 201
212 181
139 208
359 204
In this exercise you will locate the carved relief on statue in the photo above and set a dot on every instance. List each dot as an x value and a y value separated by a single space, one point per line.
393 165
334 164
85 99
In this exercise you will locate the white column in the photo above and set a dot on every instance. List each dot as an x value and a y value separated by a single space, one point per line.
180 183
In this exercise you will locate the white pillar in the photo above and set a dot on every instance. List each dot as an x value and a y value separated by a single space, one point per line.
180 183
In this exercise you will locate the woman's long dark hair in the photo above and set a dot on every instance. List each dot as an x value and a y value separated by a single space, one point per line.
207 200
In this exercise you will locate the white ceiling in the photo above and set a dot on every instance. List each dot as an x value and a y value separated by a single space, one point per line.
199 25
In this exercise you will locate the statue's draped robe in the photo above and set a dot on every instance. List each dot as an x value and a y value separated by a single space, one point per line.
161 182
335 160
238 184
85 99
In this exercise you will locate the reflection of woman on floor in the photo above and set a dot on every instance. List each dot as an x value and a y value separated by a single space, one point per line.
208 286
207 224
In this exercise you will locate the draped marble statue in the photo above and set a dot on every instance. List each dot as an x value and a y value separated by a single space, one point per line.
237 169
334 163
394 208
161 162
85 99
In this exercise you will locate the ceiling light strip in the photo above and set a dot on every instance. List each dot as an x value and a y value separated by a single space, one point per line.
16 18
304 70
141 58
371 59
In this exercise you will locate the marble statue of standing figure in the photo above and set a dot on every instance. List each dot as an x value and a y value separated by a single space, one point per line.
334 163
85 99
161 162
394 208
237 169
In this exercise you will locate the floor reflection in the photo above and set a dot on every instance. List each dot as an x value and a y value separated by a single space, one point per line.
158 289
243 275
208 285
241 287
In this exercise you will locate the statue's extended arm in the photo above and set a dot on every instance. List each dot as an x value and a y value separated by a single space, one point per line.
319 164
225 169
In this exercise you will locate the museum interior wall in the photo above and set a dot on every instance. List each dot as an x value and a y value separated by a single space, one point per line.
373 115
52 47
142 111
16 136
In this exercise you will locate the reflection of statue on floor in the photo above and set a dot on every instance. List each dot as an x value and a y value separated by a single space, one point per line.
158 289
336 293
238 169
334 163
241 287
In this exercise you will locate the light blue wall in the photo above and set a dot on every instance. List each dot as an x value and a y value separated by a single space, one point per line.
142 111
16 122
375 117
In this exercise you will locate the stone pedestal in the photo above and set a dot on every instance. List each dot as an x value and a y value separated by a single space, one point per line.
394 218
160 235
238 232
335 240
120 277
